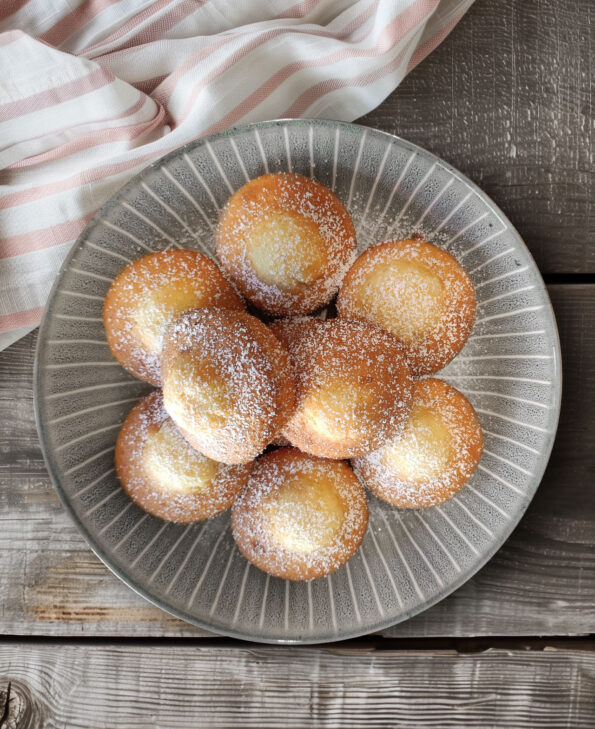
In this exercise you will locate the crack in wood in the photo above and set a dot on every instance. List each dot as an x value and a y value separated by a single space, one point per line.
6 708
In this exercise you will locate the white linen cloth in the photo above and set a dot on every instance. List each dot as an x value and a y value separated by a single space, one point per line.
91 91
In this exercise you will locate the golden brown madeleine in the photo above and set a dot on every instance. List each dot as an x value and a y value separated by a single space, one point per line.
353 386
417 292
164 475
152 291
300 517
435 454
227 383
286 241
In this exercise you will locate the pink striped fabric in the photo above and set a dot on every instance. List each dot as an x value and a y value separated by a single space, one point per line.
92 91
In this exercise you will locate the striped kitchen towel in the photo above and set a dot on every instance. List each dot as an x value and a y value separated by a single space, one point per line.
91 91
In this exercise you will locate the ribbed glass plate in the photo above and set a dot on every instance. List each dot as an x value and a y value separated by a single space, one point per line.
509 369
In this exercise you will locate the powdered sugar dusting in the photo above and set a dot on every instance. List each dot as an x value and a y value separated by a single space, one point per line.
417 292
353 385
287 242
436 453
164 475
148 294
226 383
278 493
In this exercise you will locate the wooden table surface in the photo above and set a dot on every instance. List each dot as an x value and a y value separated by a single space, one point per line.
506 99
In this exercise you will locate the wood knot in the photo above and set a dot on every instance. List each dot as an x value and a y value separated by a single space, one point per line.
18 708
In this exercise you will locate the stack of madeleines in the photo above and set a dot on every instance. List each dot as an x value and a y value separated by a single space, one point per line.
344 402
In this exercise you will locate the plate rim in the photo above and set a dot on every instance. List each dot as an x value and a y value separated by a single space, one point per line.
381 625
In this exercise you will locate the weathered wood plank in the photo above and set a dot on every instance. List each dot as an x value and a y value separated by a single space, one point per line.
541 582
133 687
506 98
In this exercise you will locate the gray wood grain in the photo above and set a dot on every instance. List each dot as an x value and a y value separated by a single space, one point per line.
135 687
506 98
542 582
